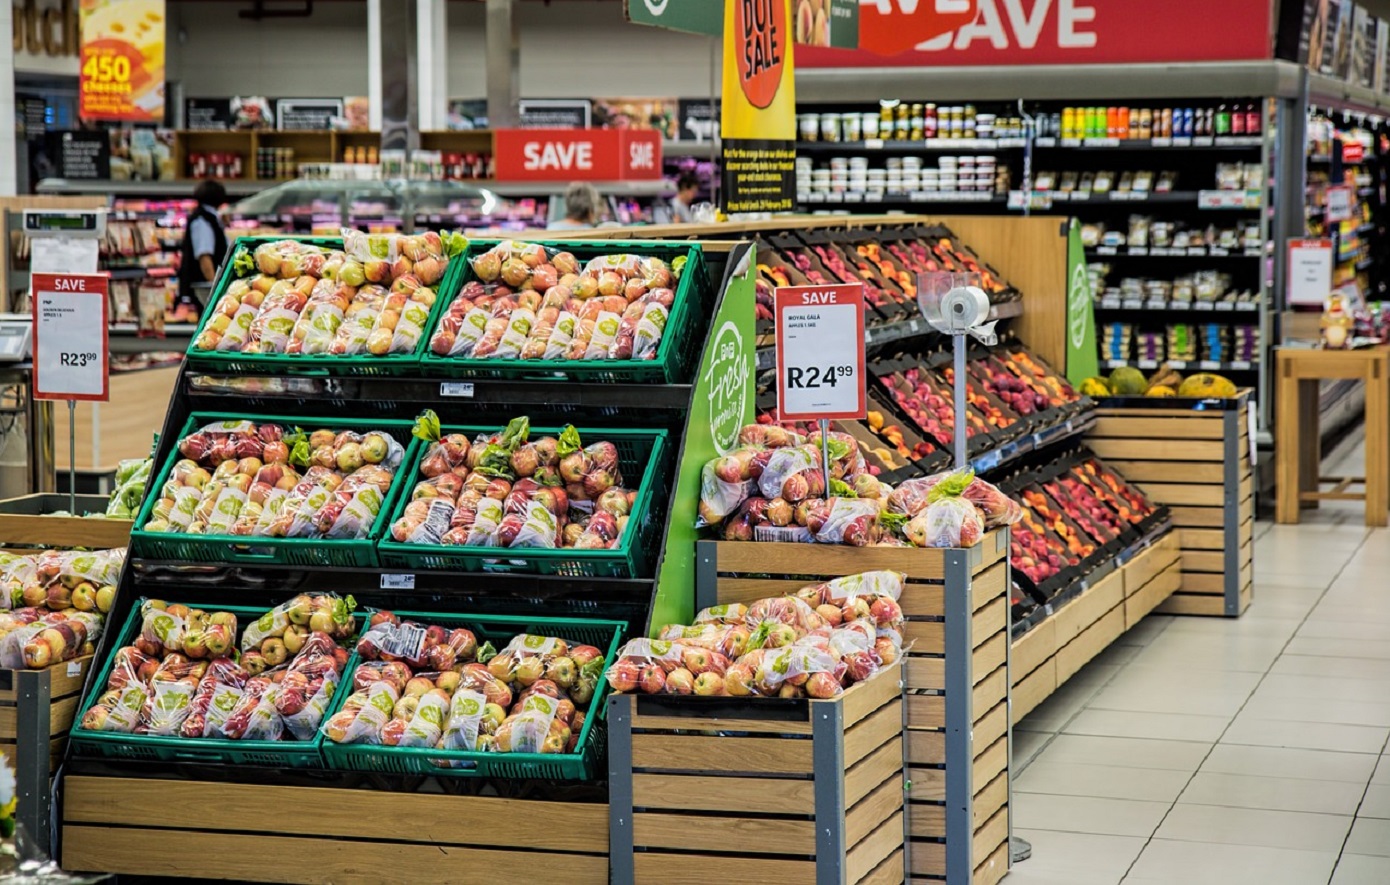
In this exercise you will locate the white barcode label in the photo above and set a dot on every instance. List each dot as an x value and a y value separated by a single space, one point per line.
398 582
406 641
456 388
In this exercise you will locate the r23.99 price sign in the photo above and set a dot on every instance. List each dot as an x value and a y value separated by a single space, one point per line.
820 352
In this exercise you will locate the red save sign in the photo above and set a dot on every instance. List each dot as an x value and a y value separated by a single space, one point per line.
71 338
893 26
578 154
820 352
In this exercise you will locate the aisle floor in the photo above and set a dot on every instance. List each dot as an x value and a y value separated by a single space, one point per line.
1214 752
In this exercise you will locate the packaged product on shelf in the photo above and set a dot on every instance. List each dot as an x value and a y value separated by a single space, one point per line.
1182 341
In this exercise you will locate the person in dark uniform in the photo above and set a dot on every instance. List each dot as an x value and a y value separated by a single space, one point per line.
204 244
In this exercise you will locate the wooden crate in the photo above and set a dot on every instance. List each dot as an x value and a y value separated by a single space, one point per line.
261 833
36 712
1083 626
23 523
1197 461
957 606
762 790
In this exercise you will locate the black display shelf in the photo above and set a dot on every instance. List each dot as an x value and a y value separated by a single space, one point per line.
1205 310
896 146
1199 142
1185 365
1172 252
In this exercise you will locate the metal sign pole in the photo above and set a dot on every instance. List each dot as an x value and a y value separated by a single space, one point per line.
825 452
72 456
962 456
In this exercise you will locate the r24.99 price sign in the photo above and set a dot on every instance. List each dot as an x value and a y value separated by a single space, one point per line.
820 352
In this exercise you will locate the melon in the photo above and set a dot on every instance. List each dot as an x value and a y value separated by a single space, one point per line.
1095 387
1206 386
1127 381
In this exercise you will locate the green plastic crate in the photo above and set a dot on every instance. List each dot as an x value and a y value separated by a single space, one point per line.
641 453
676 354
270 754
317 364
498 629
311 552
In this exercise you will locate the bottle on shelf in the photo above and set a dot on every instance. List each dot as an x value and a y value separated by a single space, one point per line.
1222 123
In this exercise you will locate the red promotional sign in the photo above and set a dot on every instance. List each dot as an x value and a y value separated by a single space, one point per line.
820 352
1353 152
761 32
578 154
898 25
1048 32
71 343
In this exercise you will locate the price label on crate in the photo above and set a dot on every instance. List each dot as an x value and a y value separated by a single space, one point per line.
71 346
820 352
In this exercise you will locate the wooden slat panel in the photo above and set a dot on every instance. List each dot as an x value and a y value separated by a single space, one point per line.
258 856
926 711
693 792
871 851
1198 517
989 726
731 754
1074 655
926 820
866 697
1153 594
873 732
717 833
865 775
749 590
991 835
1170 471
828 560
989 657
1156 449
1140 570
989 798
926 747
1184 495
701 869
1033 648
60 717
991 761
349 814
927 859
992 548
923 600
868 815
988 586
890 872
1083 611
930 672
994 868
927 784
1158 428
991 619
24 530
1206 605
925 637
69 678
1035 688
991 690
716 723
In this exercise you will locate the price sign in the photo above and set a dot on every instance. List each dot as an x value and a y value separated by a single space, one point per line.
1339 203
71 348
820 352
1310 271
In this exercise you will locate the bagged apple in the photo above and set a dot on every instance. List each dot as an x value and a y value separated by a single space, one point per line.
255 718
325 613
274 323
359 320
363 715
168 707
852 521
520 265
643 664
317 326
949 520
468 711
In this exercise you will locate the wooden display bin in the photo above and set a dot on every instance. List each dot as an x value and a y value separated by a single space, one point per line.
23 523
262 833
957 738
36 712
1088 622
1194 456
812 788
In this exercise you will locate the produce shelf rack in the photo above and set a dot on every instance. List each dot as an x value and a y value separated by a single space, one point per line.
566 819
956 660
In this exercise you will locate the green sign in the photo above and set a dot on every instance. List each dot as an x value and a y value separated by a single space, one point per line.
1082 356
693 16
722 404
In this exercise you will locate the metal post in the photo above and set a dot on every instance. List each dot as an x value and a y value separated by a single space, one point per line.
962 453
828 787
620 833
503 64
72 457
960 757
33 706
1019 848
825 453
1232 432
398 42
1285 163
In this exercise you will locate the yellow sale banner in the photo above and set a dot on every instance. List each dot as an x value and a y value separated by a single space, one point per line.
758 117
122 73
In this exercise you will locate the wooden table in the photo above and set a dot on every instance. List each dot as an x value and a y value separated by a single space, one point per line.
1296 445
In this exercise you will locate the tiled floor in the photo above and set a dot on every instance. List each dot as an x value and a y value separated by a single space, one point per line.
1254 751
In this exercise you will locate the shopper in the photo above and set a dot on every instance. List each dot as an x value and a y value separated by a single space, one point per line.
204 246
687 189
582 204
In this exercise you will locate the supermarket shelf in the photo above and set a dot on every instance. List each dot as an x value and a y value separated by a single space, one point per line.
126 339
896 146
137 273
1184 365
704 150
1015 449
1207 199
1207 142
236 187
890 332
1165 252
901 198
1150 305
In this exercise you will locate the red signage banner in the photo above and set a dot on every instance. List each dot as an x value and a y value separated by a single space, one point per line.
898 25
578 154
1050 32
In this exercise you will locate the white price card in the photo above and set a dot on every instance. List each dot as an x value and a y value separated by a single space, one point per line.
1339 203
71 345
1310 271
820 352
